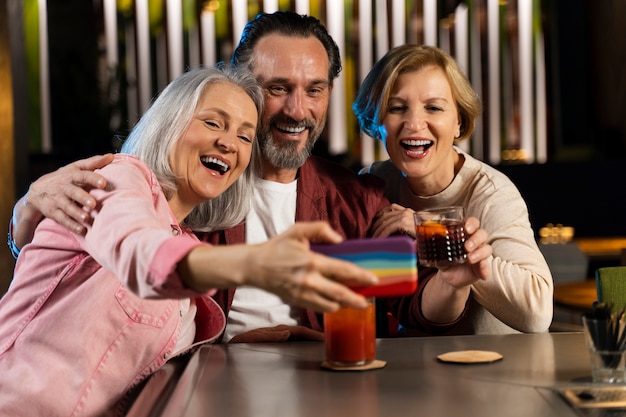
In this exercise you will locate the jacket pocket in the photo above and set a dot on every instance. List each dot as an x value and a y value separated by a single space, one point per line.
148 312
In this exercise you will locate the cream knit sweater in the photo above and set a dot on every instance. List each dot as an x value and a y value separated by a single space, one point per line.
518 297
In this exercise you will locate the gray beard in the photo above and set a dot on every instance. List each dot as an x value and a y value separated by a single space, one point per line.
287 155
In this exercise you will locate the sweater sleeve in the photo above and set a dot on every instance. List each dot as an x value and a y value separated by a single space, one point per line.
408 311
520 290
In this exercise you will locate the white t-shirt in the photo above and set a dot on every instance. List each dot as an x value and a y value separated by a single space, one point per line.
273 211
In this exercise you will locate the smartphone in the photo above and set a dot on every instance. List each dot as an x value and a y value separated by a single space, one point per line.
393 260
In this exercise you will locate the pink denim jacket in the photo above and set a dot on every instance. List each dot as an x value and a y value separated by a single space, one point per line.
88 317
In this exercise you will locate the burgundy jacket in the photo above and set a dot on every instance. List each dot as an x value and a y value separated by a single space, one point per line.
349 202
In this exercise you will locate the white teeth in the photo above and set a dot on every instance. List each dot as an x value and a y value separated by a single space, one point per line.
417 142
291 129
212 160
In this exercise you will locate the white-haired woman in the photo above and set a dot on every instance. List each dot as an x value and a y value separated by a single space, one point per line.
88 317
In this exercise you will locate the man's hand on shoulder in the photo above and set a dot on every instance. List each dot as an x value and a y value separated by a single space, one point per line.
62 195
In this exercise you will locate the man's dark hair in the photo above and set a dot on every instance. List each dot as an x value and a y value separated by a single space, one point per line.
288 24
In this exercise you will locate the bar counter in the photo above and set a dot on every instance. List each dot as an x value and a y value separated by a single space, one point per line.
286 380
602 247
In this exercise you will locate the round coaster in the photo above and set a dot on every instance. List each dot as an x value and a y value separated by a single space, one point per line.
375 364
470 356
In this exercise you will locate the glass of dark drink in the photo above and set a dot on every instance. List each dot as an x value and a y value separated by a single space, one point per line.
440 236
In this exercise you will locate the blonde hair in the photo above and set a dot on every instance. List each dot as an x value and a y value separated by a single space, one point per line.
372 98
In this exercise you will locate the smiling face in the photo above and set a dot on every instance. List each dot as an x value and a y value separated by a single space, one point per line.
216 147
419 127
294 75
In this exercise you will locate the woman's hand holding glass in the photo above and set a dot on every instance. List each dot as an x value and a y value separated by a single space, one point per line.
446 294
398 219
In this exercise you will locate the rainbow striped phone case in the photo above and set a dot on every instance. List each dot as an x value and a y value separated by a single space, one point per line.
392 259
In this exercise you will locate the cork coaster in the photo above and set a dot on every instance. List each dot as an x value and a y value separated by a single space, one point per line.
470 356
375 364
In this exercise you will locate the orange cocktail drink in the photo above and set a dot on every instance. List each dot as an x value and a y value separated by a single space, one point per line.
350 335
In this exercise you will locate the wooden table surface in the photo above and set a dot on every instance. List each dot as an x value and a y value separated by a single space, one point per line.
286 380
